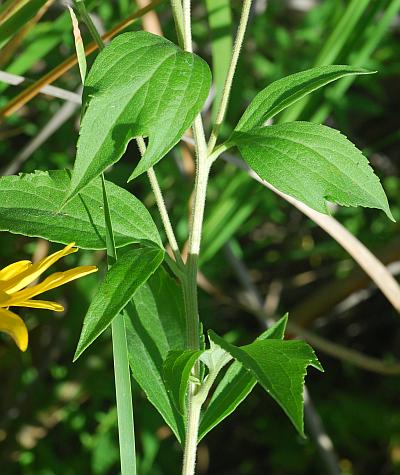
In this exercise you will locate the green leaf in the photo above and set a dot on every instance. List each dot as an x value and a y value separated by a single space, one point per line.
177 369
121 282
155 325
215 358
30 204
286 91
235 386
280 367
140 85
312 163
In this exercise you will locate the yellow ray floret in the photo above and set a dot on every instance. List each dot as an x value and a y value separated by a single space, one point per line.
15 277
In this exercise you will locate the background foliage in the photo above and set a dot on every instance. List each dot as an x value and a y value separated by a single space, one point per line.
59 418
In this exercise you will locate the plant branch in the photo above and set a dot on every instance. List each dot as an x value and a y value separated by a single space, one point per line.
187 27
178 19
161 206
230 75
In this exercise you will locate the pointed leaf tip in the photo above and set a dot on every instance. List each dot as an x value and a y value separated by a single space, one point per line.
313 163
280 367
151 96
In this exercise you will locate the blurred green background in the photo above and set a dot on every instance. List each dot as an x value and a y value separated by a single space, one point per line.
59 418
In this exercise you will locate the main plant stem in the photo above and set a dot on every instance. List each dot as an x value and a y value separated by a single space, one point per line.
204 159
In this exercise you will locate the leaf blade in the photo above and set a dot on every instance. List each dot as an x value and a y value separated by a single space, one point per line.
286 91
120 284
312 163
281 374
139 85
236 384
30 205
155 325
177 368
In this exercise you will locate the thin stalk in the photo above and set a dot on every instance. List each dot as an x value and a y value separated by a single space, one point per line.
161 206
187 27
178 19
81 7
123 388
230 75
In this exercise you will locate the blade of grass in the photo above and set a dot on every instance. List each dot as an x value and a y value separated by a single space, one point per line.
220 21
32 91
19 19
331 49
123 388
374 35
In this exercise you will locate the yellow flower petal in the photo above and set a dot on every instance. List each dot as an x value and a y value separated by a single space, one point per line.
14 326
13 269
25 278
51 282
56 307
4 299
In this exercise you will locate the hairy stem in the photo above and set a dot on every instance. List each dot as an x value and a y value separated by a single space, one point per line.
161 206
190 281
230 75
178 19
189 457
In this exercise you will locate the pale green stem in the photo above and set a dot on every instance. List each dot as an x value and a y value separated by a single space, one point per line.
189 456
187 27
178 19
203 164
230 75
161 206
190 282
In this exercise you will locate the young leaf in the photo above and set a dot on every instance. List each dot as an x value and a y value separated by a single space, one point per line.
235 386
155 325
215 358
121 282
140 85
30 204
177 369
312 163
280 367
286 91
